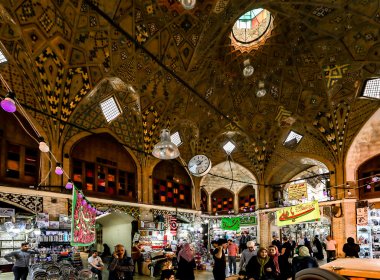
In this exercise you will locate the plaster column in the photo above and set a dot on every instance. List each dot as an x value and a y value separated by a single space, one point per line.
209 204
196 193
236 203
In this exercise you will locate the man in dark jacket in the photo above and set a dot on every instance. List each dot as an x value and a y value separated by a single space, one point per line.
351 249
121 266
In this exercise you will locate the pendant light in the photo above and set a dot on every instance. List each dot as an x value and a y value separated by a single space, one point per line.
8 103
58 169
165 149
43 146
248 68
261 92
188 4
69 185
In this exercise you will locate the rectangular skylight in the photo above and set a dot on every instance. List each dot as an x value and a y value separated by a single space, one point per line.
176 139
372 88
229 147
110 108
2 57
293 136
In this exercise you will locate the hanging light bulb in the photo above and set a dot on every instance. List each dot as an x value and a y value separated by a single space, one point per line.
69 185
324 192
84 202
165 149
80 195
8 103
248 68
266 205
349 192
261 92
43 146
188 4
58 169
368 187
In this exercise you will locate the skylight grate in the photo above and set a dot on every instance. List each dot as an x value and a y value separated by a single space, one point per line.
176 139
229 147
110 109
293 136
372 88
2 57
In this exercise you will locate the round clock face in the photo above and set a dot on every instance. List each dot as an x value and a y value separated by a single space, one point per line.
199 165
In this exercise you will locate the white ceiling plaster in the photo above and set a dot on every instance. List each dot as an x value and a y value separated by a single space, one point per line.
365 146
211 183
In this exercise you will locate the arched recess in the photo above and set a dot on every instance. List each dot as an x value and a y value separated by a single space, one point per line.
222 201
369 188
317 187
172 185
204 200
365 146
20 156
68 146
247 199
101 167
300 162
229 175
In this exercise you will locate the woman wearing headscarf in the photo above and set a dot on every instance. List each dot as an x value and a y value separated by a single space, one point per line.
318 245
186 263
261 267
303 261
273 253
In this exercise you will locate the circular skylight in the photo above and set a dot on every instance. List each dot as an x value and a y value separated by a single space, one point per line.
251 26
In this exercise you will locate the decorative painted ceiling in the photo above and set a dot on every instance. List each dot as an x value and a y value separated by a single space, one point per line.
176 68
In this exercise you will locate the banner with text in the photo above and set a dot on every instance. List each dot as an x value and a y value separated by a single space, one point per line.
82 221
297 191
230 223
298 213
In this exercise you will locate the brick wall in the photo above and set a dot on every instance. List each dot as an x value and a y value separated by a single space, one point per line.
55 206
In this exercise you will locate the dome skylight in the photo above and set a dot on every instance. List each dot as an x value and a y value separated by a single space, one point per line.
251 26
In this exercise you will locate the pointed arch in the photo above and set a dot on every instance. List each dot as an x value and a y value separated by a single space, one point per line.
222 200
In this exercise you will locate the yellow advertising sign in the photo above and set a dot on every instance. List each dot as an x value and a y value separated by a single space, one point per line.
297 191
298 213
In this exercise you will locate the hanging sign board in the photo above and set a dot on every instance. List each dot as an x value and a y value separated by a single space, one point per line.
7 212
248 221
362 216
230 223
298 213
297 191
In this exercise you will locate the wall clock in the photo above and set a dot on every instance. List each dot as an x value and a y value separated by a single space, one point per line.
199 165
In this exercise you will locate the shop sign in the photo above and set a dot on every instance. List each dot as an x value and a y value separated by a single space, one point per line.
230 223
248 221
173 225
362 216
7 212
298 213
297 191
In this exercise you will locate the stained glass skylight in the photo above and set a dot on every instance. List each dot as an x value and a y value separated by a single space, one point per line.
251 26
372 88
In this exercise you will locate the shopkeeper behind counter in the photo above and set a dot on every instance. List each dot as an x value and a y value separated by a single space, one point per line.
21 260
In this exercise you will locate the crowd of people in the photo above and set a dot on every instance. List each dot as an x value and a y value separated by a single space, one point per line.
281 260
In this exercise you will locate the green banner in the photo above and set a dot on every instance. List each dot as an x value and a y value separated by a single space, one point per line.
248 221
230 223
298 213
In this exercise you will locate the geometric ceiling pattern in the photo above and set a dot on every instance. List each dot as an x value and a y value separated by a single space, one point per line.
176 68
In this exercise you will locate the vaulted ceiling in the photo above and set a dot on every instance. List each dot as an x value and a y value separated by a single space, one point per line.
176 68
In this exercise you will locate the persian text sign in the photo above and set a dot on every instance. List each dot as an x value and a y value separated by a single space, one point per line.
248 221
298 213
297 191
230 223
362 216
82 222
